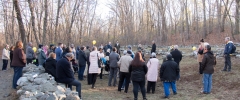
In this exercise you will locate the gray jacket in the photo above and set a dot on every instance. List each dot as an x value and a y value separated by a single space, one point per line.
113 59
41 57
29 53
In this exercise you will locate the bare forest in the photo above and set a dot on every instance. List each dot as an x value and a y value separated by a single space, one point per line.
168 22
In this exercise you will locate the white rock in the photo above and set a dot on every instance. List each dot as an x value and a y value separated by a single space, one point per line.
48 87
52 96
61 89
21 81
39 81
61 97
238 56
44 76
72 97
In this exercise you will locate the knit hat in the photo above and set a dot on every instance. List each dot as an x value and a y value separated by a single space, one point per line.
153 54
129 52
125 52
169 57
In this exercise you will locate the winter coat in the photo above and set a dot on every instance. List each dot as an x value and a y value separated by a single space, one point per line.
200 56
113 59
64 71
153 65
138 72
58 52
153 48
5 54
228 48
87 52
50 66
93 59
19 58
41 57
169 71
82 58
177 56
30 53
124 63
208 62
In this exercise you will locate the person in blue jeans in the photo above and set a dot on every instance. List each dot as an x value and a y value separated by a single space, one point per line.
18 62
208 62
82 59
169 72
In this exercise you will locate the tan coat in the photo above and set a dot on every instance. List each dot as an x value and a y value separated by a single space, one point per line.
200 57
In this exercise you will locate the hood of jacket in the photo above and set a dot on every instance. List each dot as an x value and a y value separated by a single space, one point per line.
50 59
210 54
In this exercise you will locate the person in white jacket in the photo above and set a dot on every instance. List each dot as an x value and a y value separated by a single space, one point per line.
93 68
152 74
5 57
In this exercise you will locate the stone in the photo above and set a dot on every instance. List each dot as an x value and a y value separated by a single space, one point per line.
237 56
44 97
20 92
61 89
21 81
48 87
52 96
30 87
44 76
28 94
72 97
30 78
39 95
61 97
68 92
39 81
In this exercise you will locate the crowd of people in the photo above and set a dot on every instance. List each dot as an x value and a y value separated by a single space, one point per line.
63 62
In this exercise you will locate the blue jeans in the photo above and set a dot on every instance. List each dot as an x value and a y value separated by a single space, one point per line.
78 87
207 83
16 76
5 63
81 72
166 87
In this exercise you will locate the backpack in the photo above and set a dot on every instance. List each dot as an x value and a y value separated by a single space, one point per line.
233 49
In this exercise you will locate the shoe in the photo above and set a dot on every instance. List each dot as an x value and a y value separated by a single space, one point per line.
144 98
165 97
93 87
229 70
153 92
122 88
224 70
148 92
175 93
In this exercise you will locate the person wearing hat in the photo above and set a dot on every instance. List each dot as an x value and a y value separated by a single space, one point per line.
153 47
130 49
124 63
177 56
200 54
30 53
152 74
169 72
41 55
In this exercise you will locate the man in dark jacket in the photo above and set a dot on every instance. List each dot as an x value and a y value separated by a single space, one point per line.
168 74
82 59
109 46
117 46
30 53
153 47
227 52
87 53
208 62
113 59
176 55
65 73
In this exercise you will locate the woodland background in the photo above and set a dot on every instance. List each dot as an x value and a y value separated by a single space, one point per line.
168 22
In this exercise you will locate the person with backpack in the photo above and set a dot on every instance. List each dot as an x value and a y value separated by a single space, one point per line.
229 49
200 54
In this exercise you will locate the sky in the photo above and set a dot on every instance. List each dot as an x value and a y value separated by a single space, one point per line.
102 8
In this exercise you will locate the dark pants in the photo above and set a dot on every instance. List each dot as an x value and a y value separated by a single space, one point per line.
81 72
94 78
89 76
227 63
5 63
151 85
100 75
113 74
78 86
16 76
124 75
29 60
136 85
200 68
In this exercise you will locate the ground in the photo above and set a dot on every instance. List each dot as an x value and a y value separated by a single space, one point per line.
225 85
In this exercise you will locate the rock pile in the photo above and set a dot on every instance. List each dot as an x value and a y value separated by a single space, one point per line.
37 85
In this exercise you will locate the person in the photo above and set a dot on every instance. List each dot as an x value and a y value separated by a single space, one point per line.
109 46
208 62
50 65
169 72
73 61
200 54
74 50
138 70
227 52
45 49
41 56
11 54
65 73
105 48
124 63
152 74
153 47
117 46
139 46
93 68
30 53
113 59
77 51
177 56
87 52
5 57
107 67
18 62
51 49
59 51
82 59
102 59
101 46
130 49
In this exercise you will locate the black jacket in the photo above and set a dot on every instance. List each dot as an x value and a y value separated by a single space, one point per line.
50 66
177 56
169 71
153 48
82 58
138 72
64 71
208 62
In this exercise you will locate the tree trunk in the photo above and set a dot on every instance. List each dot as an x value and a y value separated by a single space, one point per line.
237 17
33 21
204 20
224 16
187 23
45 22
20 22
